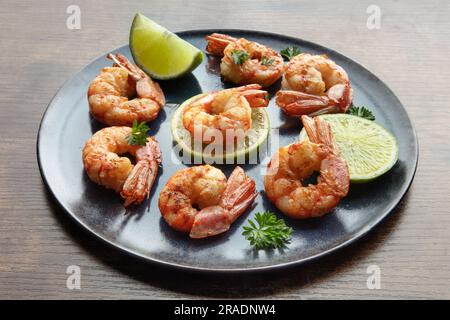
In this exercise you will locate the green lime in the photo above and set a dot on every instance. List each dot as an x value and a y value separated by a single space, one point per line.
246 151
370 150
159 52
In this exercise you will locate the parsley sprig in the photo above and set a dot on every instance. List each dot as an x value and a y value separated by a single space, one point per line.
267 231
239 56
138 134
362 112
267 62
290 52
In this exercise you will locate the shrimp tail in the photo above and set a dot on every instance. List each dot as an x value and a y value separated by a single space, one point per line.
216 219
139 183
296 103
217 43
257 98
341 95
247 195
239 193
319 131
122 62
145 86
335 175
210 222
334 168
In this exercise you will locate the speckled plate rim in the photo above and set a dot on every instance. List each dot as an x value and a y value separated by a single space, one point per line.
178 266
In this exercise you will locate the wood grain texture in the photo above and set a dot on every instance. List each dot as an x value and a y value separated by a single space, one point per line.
38 241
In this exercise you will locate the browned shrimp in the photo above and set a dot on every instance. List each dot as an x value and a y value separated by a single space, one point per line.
202 202
110 91
105 166
244 61
225 111
296 162
313 85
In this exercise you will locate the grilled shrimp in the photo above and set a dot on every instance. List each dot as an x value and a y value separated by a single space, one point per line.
110 91
296 162
104 166
257 63
202 202
313 85
226 111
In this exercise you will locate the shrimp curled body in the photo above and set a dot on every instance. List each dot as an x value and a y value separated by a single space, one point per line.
105 166
313 85
110 92
226 111
296 162
263 65
202 202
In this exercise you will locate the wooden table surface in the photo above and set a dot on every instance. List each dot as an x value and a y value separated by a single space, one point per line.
410 52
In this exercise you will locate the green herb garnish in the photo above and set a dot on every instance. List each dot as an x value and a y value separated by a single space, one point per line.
268 231
362 112
290 52
267 62
138 134
239 56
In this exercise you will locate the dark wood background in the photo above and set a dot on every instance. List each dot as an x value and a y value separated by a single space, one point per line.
38 241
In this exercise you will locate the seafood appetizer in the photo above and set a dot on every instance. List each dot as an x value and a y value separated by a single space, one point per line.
110 92
314 85
292 164
105 166
227 111
244 61
202 202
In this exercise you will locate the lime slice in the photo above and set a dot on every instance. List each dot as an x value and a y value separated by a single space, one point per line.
247 152
370 150
159 52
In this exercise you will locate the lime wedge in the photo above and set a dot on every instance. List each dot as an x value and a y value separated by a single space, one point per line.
248 150
370 150
159 52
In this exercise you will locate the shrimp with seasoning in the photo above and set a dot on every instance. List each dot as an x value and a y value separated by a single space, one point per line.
110 92
244 61
105 166
202 202
292 164
314 85
225 111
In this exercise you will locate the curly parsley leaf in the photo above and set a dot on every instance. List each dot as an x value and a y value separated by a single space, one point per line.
267 62
267 231
239 56
362 112
290 52
138 134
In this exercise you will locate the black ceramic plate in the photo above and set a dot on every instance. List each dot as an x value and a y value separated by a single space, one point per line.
67 125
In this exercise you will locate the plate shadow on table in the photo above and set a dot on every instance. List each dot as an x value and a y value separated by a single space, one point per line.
221 285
